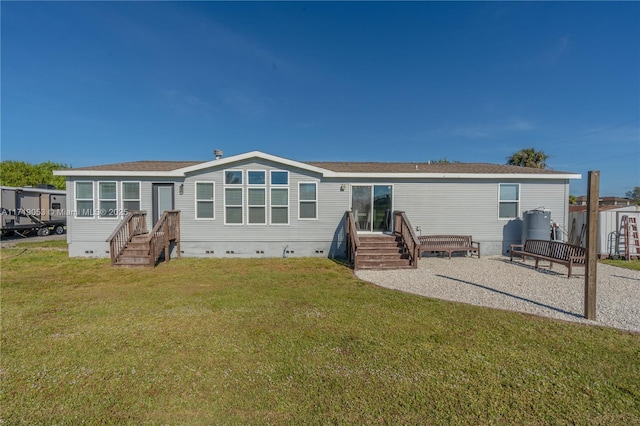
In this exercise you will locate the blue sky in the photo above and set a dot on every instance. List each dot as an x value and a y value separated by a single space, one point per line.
88 83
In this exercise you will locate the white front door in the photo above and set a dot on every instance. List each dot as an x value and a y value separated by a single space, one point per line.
162 199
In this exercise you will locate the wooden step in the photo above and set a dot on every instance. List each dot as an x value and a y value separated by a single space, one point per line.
381 250
126 260
137 246
384 264
382 256
135 252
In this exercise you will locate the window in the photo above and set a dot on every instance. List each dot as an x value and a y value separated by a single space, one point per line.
261 197
279 177
204 200
108 199
233 205
509 201
256 177
233 177
84 199
280 206
130 196
257 206
308 200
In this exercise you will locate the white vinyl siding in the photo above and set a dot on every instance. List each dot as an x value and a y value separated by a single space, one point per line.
205 206
308 197
130 196
509 201
233 206
280 206
84 199
108 196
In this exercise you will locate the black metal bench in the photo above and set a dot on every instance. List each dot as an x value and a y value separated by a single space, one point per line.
449 244
551 251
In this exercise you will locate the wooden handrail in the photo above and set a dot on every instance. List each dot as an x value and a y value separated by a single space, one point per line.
353 242
403 228
134 223
167 229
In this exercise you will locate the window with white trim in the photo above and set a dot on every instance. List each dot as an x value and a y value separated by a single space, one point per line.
233 206
308 200
257 205
280 206
256 177
108 199
205 200
279 177
509 201
84 199
233 177
130 196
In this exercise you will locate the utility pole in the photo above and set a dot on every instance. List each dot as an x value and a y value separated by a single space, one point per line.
590 276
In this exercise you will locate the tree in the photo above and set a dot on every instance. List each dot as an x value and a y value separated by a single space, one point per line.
442 161
573 200
634 195
528 157
19 173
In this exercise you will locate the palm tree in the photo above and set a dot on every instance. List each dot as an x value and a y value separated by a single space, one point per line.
528 157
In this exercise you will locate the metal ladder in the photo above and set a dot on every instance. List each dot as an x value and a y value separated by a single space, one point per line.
630 232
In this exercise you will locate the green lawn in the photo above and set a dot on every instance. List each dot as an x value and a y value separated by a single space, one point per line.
628 264
287 341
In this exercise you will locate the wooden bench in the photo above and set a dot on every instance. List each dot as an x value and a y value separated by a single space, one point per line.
449 244
551 251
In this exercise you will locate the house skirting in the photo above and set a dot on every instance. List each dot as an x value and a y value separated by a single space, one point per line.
229 249
221 249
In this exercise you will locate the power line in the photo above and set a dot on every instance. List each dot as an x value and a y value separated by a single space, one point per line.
593 132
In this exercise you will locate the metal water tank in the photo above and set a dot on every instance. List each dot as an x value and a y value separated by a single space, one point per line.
536 225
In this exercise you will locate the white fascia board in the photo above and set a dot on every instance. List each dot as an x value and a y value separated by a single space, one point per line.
452 175
250 155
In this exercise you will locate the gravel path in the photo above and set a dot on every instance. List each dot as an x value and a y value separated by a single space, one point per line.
497 283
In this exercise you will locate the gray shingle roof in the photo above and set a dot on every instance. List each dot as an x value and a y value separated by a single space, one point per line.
342 167
142 166
369 167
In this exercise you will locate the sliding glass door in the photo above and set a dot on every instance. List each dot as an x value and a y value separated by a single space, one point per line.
372 207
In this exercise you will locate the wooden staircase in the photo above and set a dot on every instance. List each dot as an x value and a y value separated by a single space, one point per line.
131 244
382 252
377 251
136 252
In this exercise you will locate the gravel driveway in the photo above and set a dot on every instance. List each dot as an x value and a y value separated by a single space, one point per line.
495 282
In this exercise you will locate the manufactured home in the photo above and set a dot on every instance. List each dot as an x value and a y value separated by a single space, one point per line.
261 205
30 209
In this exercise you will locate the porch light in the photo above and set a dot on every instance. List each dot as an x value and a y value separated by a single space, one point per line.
181 188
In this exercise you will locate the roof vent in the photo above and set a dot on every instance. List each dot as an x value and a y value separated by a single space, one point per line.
218 153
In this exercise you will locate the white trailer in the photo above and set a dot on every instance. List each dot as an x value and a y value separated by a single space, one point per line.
29 209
